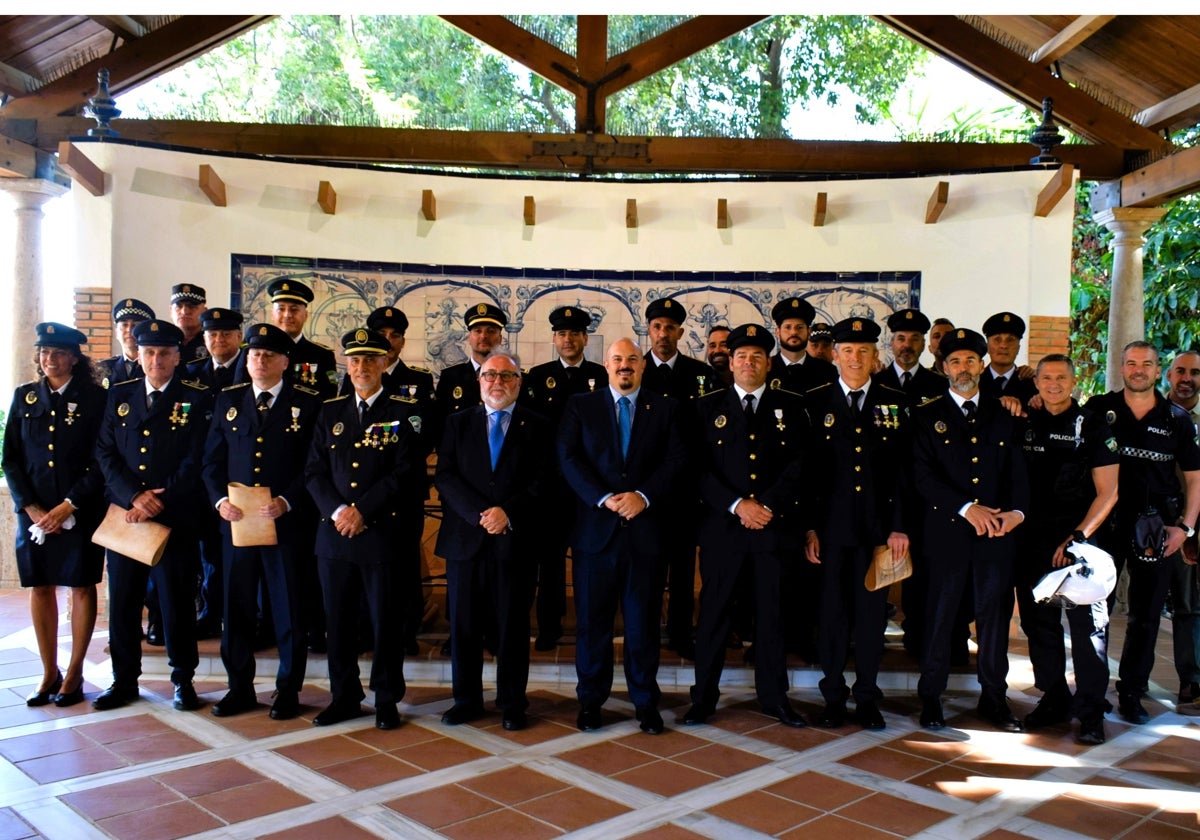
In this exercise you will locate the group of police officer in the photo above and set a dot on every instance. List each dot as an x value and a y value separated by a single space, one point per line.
787 471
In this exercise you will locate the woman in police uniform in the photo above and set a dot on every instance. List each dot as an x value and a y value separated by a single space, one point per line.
56 489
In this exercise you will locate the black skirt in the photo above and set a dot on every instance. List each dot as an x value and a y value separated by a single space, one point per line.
68 558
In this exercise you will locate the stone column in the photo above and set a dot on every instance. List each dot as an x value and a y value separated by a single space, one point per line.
1127 308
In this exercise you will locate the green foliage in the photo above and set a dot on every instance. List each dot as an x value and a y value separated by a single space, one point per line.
1091 268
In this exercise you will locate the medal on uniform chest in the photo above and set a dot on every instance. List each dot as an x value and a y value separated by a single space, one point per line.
457 393
70 418
779 419
394 426
700 383
720 421
412 391
829 420
231 414
295 427
179 413
591 384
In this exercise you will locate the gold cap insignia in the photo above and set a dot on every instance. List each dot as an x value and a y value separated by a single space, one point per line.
216 316
49 329
262 330
751 331
360 336
186 287
908 316
1007 319
481 308
856 326
795 303
387 313
666 304
129 302
962 333
154 328
284 287
567 313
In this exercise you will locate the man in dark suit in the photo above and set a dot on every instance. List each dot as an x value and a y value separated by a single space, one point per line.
970 474
1003 378
312 364
792 368
906 373
458 386
621 451
127 314
188 302
750 483
260 437
492 464
357 469
546 390
673 374
149 449
860 445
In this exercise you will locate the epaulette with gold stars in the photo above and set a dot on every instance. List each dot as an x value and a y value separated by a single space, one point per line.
235 386
195 384
304 389
398 398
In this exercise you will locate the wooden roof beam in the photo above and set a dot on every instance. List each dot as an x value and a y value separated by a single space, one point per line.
1162 180
1082 28
16 82
1182 109
132 64
1004 69
521 46
123 26
591 58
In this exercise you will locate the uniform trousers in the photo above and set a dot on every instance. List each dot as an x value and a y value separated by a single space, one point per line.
345 584
1148 583
845 599
490 595
1185 618
617 576
212 564
411 527
720 568
554 536
1042 625
174 579
276 566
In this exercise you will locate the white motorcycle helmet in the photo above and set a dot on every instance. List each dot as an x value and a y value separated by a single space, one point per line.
1090 579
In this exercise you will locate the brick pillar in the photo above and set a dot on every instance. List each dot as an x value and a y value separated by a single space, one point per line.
1047 334
93 317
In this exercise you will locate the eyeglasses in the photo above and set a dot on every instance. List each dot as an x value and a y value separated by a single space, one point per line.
505 376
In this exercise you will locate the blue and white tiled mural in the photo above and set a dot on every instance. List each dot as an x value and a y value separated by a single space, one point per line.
435 297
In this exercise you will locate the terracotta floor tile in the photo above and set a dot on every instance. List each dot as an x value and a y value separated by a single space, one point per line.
1057 739
371 771
961 782
1003 834
891 813
721 760
890 763
42 744
11 655
337 827
794 739
1000 769
162 823
420 695
250 801
1186 748
393 739
832 827
665 778
439 753
572 809
504 823
325 751
121 798
54 768
443 806
671 742
670 831
539 731
21 714
167 745
607 758
1143 806
929 746
1183 819
209 778
125 729
514 785
1153 830
1083 817
764 812
823 792
13 827
739 718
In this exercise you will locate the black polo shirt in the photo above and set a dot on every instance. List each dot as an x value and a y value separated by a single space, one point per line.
1061 450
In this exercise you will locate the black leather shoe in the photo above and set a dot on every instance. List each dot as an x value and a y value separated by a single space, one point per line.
589 719
69 698
699 713
1132 710
387 716
1048 712
832 716
286 706
931 715
1091 731
154 636
1188 693
546 643
115 696
867 716
185 697
999 715
44 698
785 714
336 713
514 720
461 713
649 718
234 704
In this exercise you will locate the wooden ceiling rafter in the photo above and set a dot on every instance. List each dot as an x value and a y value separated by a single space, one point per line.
522 46
125 27
1182 109
1082 28
16 82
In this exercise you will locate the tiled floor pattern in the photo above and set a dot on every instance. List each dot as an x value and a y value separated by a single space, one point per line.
147 771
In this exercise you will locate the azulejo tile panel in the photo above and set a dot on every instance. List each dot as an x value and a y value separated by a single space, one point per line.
435 297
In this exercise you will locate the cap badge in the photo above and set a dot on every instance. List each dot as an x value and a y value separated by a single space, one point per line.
387 313
1007 319
154 328
795 303
666 304
129 302
908 316
360 336
567 313
962 333
751 331
262 330
216 316
481 309
49 329
284 287
856 326
186 287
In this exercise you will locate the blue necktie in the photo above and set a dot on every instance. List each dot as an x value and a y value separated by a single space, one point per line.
624 423
496 436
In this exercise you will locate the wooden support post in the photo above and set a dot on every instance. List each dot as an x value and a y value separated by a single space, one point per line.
80 167
631 220
937 202
212 185
723 220
819 209
327 197
530 211
1062 182
428 205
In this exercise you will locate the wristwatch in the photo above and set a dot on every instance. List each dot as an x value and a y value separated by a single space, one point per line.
1078 536
1188 530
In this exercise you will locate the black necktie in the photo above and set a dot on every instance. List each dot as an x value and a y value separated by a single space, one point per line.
263 404
905 378
855 402
222 376
362 409
969 410
749 401
152 398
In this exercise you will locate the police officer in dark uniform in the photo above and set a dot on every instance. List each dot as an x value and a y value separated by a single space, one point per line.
906 373
1002 378
1154 437
1072 459
860 444
970 474
792 368
458 386
149 450
399 378
356 473
751 478
127 314
260 437
57 494
312 363
188 302
546 389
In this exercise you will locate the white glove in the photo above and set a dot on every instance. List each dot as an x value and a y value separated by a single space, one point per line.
37 534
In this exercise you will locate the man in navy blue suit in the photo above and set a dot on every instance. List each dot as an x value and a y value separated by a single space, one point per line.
492 462
621 451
